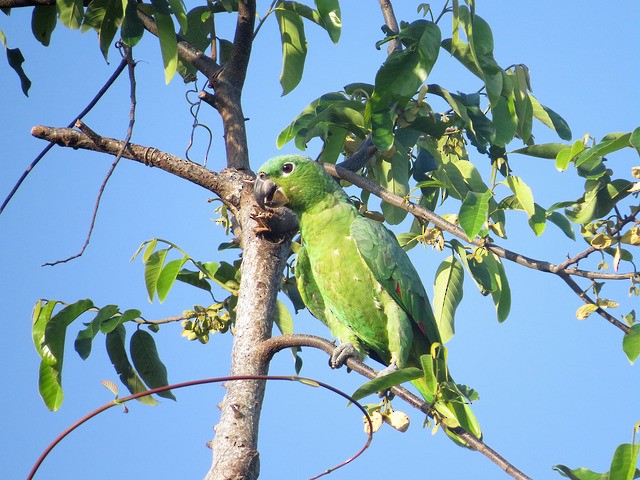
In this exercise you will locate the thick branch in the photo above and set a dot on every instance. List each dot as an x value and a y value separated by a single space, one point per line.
235 453
273 345
226 184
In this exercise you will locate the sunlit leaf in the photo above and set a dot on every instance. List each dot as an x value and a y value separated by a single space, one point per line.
380 384
551 119
542 150
152 270
631 343
603 148
585 310
447 295
167 277
168 44
473 212
70 12
329 11
523 193
294 47
623 464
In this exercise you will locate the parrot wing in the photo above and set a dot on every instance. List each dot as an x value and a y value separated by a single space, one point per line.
307 286
393 269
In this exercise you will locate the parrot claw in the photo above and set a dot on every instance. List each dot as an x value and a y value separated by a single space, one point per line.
342 353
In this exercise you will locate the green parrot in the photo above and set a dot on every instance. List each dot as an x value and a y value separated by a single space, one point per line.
353 276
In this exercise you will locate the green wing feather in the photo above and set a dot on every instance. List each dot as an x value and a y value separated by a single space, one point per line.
392 267
307 286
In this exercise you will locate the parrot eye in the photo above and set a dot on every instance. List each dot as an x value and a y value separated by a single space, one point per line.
287 168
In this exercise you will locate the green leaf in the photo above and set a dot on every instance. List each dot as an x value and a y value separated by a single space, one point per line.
110 324
524 109
551 119
294 46
85 336
144 355
329 11
118 356
283 319
50 332
473 212
193 278
580 473
70 12
168 44
625 459
153 269
523 194
603 148
543 150
634 140
56 330
538 220
429 374
151 246
502 294
403 72
112 20
178 11
562 223
385 382
631 343
132 27
393 175
505 120
599 199
43 22
168 275
447 295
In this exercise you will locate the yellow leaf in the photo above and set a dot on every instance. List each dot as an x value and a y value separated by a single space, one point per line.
585 310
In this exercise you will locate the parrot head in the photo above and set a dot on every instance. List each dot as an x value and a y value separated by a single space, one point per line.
292 180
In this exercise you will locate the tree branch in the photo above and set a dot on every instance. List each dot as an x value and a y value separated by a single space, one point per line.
270 347
227 184
391 22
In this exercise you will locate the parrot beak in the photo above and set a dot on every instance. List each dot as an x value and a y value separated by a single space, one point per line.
267 193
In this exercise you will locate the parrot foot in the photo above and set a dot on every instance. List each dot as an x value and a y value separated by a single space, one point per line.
342 353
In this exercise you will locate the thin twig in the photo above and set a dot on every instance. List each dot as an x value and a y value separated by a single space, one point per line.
46 149
192 383
588 300
275 344
128 58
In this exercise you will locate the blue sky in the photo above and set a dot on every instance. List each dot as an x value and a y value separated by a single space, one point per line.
553 389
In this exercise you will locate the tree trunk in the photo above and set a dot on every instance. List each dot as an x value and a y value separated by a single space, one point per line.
235 454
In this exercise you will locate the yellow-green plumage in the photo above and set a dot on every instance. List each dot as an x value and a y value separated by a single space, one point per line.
352 273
